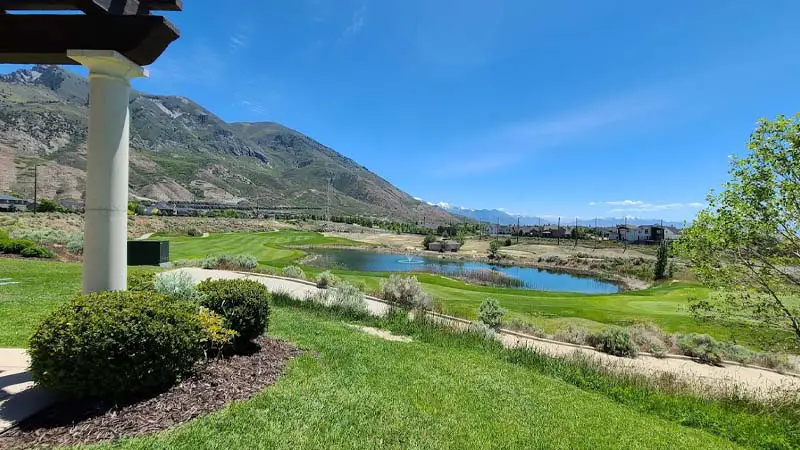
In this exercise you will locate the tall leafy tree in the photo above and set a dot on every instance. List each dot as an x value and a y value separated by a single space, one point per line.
660 268
746 243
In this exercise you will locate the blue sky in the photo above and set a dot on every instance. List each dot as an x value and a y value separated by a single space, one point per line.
582 108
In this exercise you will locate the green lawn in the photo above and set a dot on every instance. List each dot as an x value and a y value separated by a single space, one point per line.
269 248
353 390
664 305
42 286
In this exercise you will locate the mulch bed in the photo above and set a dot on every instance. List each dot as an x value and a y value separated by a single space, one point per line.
216 383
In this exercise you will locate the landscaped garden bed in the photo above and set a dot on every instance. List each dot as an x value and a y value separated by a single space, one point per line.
216 383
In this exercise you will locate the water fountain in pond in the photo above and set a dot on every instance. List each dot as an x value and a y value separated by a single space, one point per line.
411 259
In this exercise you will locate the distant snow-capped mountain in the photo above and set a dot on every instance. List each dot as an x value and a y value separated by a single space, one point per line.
505 218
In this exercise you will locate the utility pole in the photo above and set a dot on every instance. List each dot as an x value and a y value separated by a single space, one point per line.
518 230
35 187
541 229
596 230
558 232
576 232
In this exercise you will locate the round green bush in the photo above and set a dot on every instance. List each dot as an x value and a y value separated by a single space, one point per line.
616 341
244 304
37 252
115 345
141 281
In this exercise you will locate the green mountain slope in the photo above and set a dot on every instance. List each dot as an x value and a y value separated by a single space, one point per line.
181 151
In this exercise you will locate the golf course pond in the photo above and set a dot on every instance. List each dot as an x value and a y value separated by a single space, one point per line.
531 278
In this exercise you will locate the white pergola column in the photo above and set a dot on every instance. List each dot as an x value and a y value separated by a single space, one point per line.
106 231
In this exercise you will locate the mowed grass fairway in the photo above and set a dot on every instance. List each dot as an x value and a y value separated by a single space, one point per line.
270 248
664 305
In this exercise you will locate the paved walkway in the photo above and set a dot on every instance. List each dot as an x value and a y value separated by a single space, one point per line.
19 398
754 381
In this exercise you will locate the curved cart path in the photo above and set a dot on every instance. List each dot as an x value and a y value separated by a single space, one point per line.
754 381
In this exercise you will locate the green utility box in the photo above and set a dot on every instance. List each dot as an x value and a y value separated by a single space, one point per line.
148 253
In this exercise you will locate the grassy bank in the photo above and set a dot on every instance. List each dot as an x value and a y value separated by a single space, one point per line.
352 390
443 390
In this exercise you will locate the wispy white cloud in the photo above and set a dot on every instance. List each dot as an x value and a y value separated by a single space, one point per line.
241 37
201 64
643 206
254 106
521 139
238 41
356 21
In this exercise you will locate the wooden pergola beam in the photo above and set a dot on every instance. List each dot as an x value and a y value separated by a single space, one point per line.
93 6
45 39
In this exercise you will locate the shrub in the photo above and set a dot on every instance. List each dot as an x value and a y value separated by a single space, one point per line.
507 242
343 296
406 291
177 284
573 335
48 206
773 361
229 262
326 279
216 335
42 235
701 346
482 330
244 304
615 341
490 312
194 232
294 272
37 252
525 327
648 337
16 246
141 281
115 345
75 245
744 355
429 239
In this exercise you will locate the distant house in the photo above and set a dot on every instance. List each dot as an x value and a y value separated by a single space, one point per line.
450 246
641 233
624 233
10 203
445 245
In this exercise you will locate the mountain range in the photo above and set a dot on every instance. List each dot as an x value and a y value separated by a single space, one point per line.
505 218
181 151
